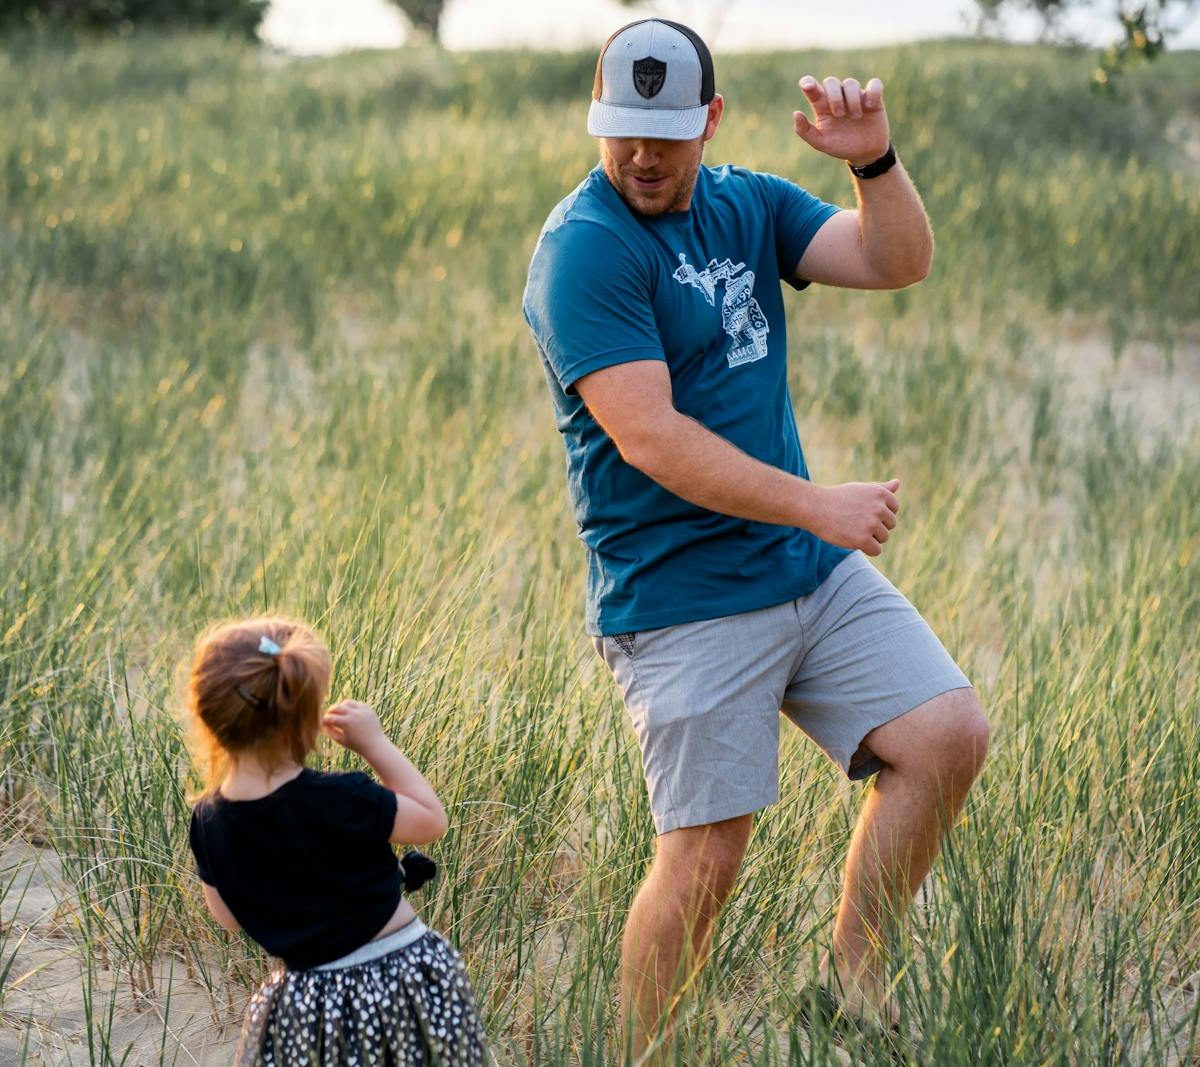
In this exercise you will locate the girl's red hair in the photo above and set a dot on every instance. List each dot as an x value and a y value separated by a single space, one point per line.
243 700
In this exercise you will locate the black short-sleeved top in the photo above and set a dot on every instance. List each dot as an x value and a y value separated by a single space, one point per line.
307 870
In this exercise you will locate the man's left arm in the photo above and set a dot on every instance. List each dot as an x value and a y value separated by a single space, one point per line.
886 243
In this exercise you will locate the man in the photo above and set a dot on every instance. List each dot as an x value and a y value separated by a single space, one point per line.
724 585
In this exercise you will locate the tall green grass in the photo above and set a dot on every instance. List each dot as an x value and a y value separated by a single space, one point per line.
263 350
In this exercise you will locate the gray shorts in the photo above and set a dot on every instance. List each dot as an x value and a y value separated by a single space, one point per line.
705 696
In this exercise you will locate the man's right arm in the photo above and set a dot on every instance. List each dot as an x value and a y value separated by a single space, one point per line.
633 404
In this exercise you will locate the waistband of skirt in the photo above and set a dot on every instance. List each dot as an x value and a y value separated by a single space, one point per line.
382 946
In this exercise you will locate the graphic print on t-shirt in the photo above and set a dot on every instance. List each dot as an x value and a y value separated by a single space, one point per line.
741 314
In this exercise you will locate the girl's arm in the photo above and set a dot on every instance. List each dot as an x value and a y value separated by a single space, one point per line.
218 909
420 817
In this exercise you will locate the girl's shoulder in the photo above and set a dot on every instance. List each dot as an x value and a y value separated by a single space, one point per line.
355 800
337 781
205 804
342 792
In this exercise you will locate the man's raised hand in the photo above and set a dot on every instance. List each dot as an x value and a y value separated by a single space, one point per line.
849 122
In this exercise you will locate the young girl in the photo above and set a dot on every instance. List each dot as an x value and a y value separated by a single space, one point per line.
303 862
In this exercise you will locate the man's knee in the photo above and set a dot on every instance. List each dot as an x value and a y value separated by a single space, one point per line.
701 863
973 733
962 742
946 737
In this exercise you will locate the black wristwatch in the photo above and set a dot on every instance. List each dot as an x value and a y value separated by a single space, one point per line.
872 170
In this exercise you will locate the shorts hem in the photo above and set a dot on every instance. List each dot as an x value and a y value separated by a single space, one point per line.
732 809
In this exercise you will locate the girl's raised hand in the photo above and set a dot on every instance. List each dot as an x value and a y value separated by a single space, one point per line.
353 724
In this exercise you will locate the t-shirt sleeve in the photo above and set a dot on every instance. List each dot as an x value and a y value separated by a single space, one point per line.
588 302
798 216
367 810
199 852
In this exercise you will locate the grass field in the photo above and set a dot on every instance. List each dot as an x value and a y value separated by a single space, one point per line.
263 350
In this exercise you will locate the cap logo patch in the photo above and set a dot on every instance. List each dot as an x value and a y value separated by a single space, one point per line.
648 76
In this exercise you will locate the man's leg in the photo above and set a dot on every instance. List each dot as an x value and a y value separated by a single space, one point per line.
932 754
669 932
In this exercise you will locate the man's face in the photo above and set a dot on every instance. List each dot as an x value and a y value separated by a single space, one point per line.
656 176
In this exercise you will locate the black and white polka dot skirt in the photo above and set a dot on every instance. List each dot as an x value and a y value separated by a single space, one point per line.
411 1006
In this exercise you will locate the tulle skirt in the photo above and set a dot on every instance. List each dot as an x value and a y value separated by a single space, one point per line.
405 1006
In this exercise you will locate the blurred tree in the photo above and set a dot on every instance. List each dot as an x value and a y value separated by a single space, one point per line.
240 16
424 15
1144 28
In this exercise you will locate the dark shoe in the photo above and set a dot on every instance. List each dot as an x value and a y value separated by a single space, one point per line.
820 1007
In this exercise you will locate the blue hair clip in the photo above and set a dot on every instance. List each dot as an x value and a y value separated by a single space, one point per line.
269 647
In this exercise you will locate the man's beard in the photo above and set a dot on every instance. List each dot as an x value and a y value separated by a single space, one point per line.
656 203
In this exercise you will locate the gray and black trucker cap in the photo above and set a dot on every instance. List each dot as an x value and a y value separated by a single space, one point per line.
654 79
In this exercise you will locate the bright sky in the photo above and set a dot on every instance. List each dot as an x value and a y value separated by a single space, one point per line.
322 26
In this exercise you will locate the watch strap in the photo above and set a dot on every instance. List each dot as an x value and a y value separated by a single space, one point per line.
872 170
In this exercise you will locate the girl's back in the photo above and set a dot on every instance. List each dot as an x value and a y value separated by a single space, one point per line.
308 868
303 861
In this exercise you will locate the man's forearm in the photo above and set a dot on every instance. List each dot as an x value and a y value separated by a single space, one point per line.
893 227
689 460
703 468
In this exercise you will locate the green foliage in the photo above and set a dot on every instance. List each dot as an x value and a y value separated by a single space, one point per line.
1144 29
240 16
1143 38
261 348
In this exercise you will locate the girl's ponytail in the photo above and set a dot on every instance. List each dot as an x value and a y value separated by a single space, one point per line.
301 685
257 687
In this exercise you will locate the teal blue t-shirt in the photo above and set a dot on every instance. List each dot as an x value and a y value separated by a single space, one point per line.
699 289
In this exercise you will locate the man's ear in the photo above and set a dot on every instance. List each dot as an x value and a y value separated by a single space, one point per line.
716 108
